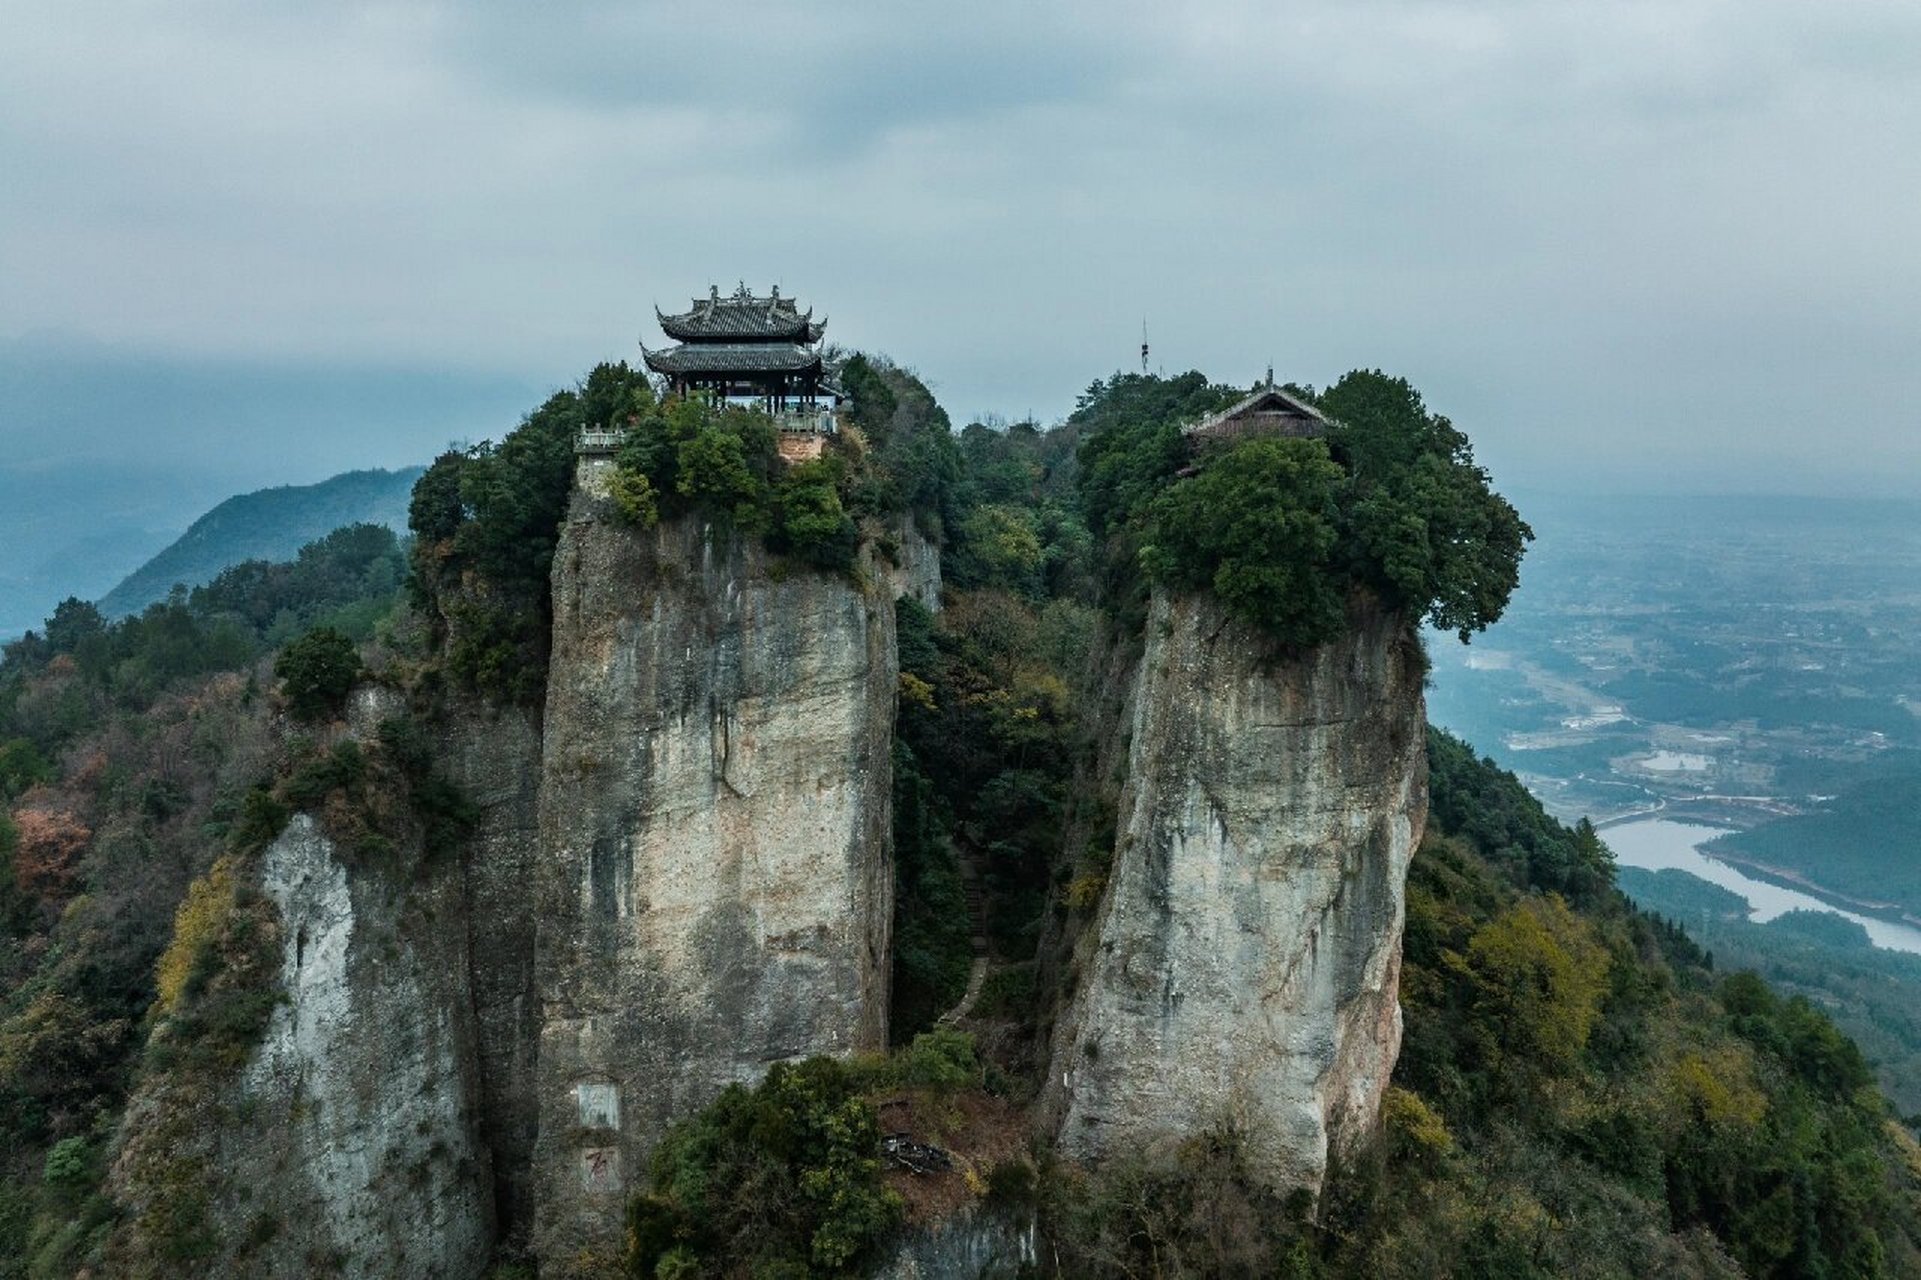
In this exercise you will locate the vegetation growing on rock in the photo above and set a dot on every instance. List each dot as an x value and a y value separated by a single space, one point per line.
131 758
486 520
1579 1093
1282 529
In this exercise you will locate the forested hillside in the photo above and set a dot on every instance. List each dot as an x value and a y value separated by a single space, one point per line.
1580 1092
132 755
1861 843
268 524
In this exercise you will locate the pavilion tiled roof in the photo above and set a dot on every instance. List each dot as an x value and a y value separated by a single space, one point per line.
743 315
733 357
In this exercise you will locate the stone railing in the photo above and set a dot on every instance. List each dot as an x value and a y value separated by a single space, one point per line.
818 422
591 441
807 422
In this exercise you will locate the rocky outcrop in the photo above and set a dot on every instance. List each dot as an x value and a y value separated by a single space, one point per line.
345 1143
911 565
363 1095
978 1242
1245 964
716 886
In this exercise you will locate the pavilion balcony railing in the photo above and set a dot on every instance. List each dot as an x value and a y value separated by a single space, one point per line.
818 422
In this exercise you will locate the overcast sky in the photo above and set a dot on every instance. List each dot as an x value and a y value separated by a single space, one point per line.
1668 245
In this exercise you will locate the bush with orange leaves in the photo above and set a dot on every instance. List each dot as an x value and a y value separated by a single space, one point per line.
47 846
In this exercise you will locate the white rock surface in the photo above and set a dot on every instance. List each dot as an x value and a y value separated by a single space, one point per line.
1246 963
362 1146
717 889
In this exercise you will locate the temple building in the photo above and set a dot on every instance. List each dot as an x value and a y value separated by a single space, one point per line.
763 350
745 346
1268 412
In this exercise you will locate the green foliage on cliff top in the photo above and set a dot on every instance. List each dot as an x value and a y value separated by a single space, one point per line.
487 519
1282 530
485 524
686 456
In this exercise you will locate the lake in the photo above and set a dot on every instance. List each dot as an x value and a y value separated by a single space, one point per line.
1658 845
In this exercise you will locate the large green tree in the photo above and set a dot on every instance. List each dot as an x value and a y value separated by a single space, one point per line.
316 671
1258 528
1422 523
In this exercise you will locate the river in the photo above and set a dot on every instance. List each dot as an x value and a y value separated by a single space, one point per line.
1658 844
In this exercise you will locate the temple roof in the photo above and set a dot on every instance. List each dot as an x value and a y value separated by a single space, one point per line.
733 357
743 316
1269 411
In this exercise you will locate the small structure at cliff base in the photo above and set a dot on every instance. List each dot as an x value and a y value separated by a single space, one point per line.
746 348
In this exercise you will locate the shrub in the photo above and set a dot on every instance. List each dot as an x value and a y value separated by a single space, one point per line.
69 1166
1416 1129
197 925
777 1180
941 1059
634 497
316 671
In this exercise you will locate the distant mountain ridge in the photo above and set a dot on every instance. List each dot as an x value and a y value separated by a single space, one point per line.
267 524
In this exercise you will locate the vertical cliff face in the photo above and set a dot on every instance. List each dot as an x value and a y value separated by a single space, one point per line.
1245 965
716 885
493 756
362 1100
346 1144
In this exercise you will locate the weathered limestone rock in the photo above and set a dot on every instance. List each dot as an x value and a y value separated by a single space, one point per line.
348 1145
915 567
1246 963
493 755
716 886
976 1243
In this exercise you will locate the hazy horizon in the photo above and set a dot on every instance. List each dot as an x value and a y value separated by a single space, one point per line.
1621 245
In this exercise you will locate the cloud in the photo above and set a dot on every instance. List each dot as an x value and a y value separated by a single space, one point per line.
1611 238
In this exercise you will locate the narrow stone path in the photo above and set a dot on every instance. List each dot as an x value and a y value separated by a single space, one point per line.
977 917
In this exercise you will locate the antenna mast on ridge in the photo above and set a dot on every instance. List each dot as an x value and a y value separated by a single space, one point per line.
1143 344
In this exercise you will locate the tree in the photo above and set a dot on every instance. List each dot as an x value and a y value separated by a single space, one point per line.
1538 976
316 671
48 843
812 522
1258 527
74 621
997 546
1421 520
781 1179
21 766
714 473
872 401
435 510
